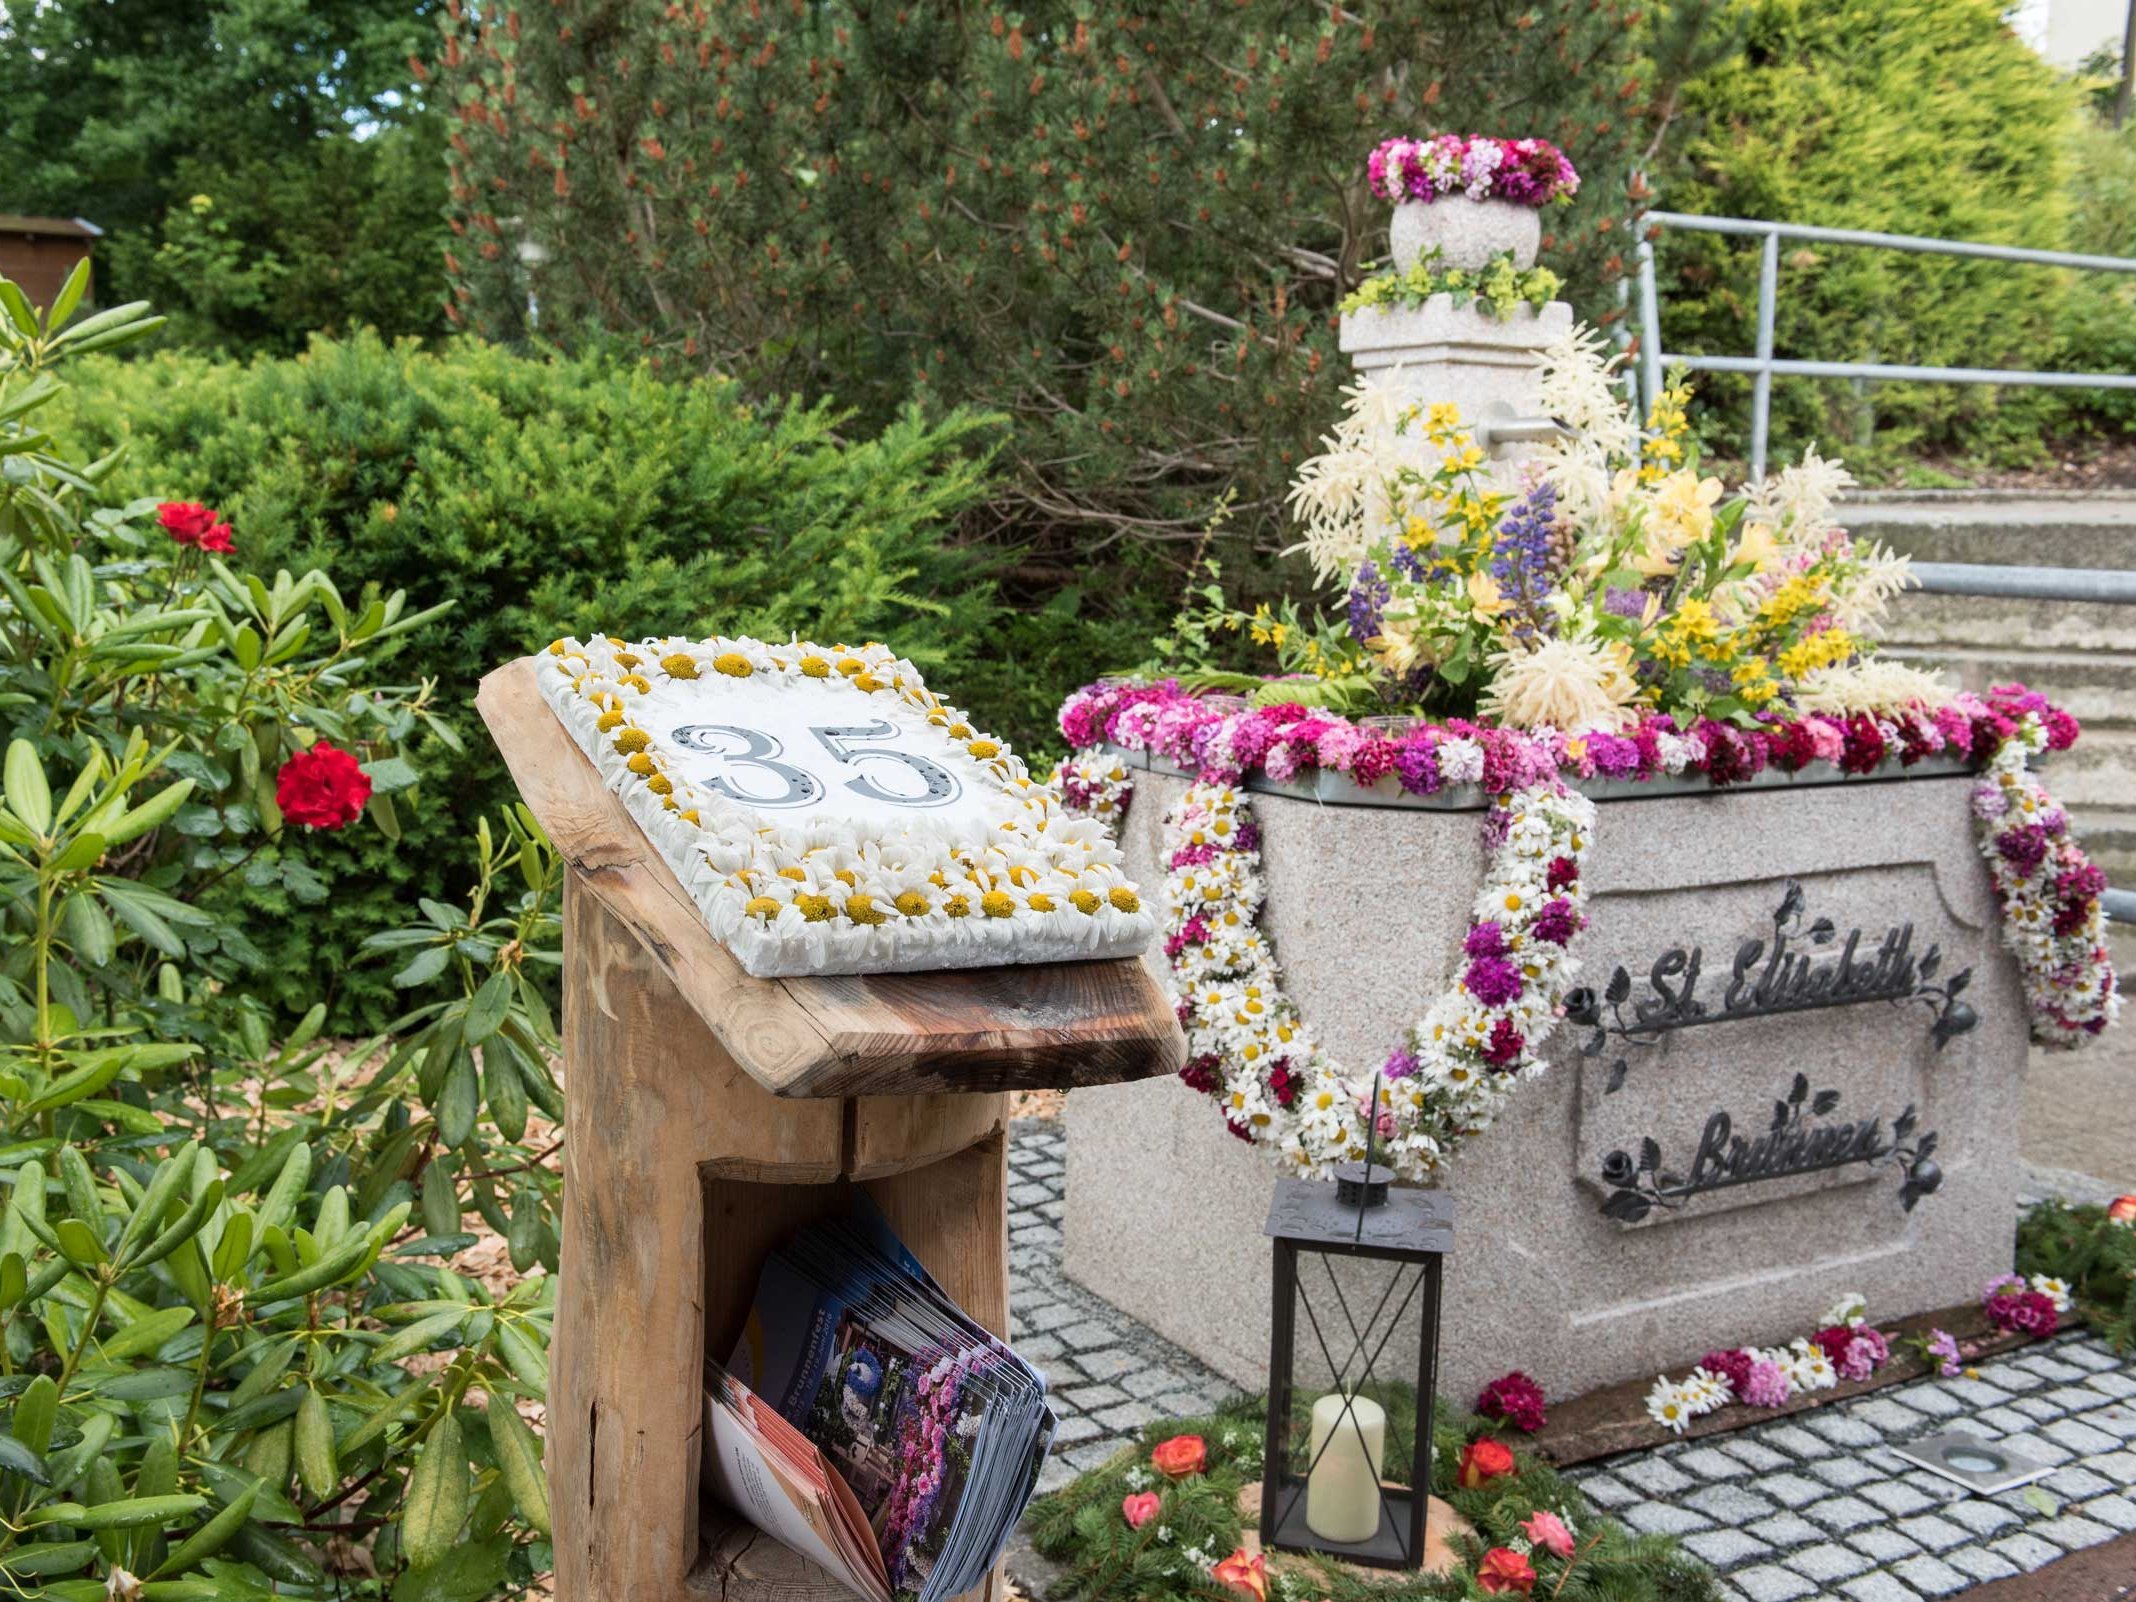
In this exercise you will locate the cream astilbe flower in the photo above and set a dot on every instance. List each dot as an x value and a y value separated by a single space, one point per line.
1871 685
1579 686
1799 499
1576 383
1352 492
1862 598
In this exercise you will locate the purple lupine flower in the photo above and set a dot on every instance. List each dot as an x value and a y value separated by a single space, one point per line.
1369 595
1520 552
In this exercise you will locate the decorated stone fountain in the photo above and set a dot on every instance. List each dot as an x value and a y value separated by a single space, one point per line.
1696 948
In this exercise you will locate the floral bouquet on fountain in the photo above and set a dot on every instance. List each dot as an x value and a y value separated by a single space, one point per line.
1602 611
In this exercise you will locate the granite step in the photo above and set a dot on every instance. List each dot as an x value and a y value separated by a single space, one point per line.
2083 654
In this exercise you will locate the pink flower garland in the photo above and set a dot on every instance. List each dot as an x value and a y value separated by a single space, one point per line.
1288 740
2049 890
1527 172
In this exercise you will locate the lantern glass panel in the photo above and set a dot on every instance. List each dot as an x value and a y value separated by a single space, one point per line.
1351 1371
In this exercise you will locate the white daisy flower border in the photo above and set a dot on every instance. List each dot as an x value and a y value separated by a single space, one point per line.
824 895
1438 1089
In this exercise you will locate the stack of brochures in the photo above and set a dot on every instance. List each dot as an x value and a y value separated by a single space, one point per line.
869 1424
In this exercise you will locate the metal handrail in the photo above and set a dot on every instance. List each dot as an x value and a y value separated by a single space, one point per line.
2110 586
1763 365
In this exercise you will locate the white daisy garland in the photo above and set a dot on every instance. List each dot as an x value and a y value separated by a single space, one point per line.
1250 1048
2052 922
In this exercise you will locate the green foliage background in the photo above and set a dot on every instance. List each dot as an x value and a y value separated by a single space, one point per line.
1126 228
302 120
548 497
1900 116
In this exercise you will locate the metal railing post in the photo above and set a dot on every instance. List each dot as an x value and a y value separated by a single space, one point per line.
1761 389
1649 324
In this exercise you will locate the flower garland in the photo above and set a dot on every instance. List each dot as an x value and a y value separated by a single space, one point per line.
1498 290
1005 879
2052 919
1845 1347
1527 172
1287 740
1250 1049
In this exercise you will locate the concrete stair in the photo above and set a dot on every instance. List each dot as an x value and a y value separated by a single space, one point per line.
2082 654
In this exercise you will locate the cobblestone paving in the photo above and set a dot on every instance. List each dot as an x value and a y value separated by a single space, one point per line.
1818 1505
1812 1506
1108 1376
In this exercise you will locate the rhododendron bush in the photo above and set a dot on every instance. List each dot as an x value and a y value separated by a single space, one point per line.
237 1365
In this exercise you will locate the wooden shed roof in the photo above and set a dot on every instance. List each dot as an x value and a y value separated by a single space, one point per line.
61 227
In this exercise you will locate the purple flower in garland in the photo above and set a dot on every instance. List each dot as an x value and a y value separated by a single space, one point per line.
1625 603
1485 940
1557 922
1416 764
2024 847
1494 981
1401 1064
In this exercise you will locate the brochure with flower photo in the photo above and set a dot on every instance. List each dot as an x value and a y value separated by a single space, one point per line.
933 1427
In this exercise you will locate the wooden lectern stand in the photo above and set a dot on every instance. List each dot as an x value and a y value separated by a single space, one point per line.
707 1116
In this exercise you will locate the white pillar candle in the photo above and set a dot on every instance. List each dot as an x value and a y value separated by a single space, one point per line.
1342 1493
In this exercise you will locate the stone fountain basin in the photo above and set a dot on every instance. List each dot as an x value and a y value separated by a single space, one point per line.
1368 894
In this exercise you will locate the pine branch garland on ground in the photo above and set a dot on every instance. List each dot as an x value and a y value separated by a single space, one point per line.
2094 1254
1198 1523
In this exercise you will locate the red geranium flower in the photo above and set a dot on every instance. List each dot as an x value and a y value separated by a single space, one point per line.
322 788
1504 1571
1515 1398
1481 1460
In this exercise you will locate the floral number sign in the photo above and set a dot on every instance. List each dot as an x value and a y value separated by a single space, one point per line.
829 814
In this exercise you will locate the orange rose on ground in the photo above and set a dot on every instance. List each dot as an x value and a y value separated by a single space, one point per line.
1505 1572
1180 1456
2122 1210
1139 1510
1483 1460
1241 1572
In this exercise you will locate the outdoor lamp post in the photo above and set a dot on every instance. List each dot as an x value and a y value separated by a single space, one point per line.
1357 1270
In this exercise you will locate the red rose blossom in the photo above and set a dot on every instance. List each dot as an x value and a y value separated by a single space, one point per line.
1180 1456
185 521
1505 1572
322 788
190 523
1139 1510
1481 1460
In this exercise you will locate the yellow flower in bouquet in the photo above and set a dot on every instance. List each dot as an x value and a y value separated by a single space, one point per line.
1683 505
1486 599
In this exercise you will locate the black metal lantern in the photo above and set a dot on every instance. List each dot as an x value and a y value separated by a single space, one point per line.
1357 1269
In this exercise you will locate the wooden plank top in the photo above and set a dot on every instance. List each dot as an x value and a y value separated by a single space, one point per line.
1027 1027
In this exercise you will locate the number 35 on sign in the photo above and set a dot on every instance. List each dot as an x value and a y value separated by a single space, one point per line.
829 814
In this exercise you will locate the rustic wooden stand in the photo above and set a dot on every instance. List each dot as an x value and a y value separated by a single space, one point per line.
709 1114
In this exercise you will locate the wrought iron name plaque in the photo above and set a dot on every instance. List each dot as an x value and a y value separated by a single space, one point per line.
1794 1143
1794 970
